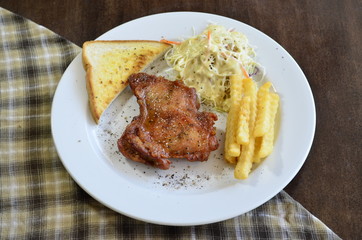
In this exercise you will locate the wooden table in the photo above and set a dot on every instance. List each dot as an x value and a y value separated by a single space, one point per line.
323 36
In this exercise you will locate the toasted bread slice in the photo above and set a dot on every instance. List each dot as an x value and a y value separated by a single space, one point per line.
108 64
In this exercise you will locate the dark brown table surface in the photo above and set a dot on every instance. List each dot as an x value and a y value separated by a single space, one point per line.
323 36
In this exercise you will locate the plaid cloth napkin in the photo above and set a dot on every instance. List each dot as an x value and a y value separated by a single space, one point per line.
39 199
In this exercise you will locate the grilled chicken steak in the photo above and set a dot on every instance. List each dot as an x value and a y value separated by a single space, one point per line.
169 124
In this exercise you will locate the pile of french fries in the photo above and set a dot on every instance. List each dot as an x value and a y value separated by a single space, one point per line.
250 124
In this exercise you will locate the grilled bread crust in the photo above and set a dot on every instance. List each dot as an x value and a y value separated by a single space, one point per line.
108 64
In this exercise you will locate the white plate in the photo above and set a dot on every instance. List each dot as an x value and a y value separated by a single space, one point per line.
188 193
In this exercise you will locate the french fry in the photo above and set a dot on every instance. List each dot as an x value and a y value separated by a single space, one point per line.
264 89
245 160
232 148
229 158
267 142
250 90
262 123
242 131
256 157
266 147
236 89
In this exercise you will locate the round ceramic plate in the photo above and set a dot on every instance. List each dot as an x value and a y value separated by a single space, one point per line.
189 193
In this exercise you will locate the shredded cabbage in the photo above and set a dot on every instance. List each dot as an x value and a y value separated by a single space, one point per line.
206 61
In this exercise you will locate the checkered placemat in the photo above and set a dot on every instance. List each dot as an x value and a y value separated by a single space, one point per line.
39 199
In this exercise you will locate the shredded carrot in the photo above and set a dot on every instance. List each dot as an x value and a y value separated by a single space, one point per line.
208 39
245 73
170 42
